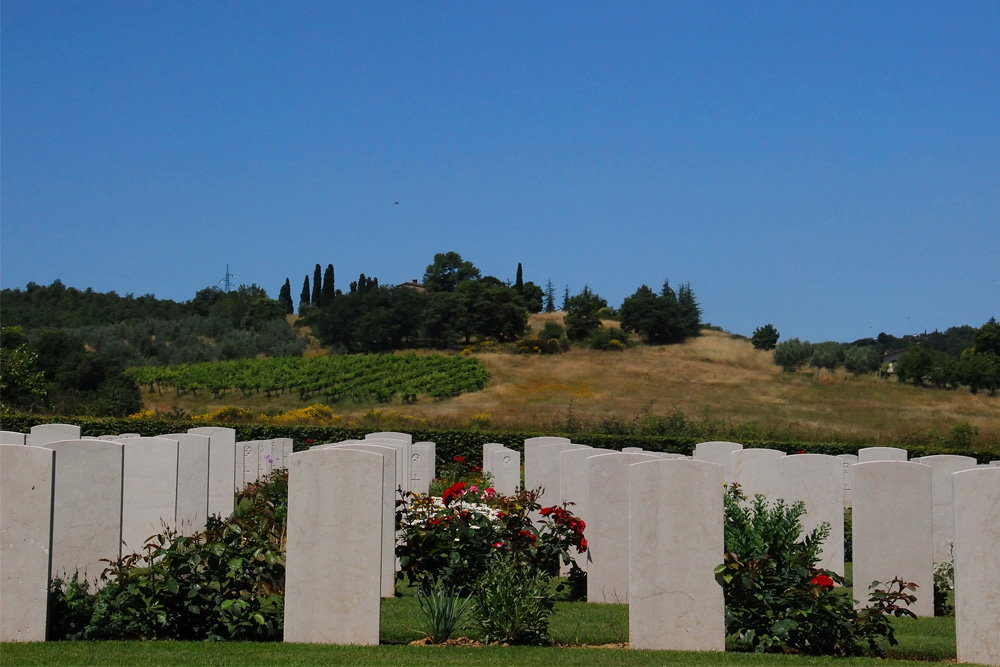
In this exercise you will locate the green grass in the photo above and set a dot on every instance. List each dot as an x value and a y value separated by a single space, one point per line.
575 623
577 629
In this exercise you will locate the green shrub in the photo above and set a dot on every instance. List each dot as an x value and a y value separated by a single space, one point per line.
443 611
608 338
513 602
226 582
777 600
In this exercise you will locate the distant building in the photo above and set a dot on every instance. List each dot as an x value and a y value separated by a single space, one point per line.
413 284
892 357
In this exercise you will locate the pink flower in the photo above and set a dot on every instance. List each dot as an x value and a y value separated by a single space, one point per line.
473 488
489 493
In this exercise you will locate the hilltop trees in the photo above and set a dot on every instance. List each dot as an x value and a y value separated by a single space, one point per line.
285 298
765 337
582 317
664 318
448 270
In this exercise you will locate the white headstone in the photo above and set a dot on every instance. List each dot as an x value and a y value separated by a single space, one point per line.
532 470
332 575
192 481
11 438
422 455
43 434
720 452
818 481
943 496
849 461
26 478
977 558
221 468
87 507
757 471
388 454
506 467
149 490
675 536
607 529
892 529
867 454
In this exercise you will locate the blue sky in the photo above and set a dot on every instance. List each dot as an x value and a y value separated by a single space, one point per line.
832 168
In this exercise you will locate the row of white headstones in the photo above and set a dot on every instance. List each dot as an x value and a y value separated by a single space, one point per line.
654 524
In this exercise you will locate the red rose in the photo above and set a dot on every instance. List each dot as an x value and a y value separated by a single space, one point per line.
459 459
545 511
583 545
822 580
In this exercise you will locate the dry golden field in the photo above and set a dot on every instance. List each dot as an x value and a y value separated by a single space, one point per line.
714 378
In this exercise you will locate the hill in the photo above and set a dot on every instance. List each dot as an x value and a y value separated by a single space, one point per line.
715 385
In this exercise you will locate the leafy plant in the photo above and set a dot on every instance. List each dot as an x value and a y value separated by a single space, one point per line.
944 582
226 582
513 602
777 600
443 610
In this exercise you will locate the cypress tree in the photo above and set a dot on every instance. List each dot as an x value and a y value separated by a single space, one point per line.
317 293
519 282
304 297
285 298
328 291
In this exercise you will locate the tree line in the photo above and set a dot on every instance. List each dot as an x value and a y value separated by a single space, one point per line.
51 332
959 356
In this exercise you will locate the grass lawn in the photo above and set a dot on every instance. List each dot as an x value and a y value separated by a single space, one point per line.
577 623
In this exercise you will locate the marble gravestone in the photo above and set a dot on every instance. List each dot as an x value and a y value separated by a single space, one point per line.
675 538
332 589
27 474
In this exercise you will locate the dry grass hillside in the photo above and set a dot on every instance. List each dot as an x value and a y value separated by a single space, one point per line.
714 377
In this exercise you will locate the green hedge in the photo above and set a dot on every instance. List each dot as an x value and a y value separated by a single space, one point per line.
450 443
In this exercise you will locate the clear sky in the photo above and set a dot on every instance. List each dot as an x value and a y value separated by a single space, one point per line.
832 168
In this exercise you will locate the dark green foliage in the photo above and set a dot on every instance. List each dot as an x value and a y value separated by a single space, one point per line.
765 337
582 317
827 355
304 297
792 353
285 298
663 318
609 338
552 330
224 583
446 272
56 370
316 299
532 296
329 290
260 312
550 297
38 306
513 603
861 360
777 600
22 383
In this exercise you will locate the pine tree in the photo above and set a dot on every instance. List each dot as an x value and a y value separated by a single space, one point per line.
285 298
550 297
328 291
317 293
566 299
